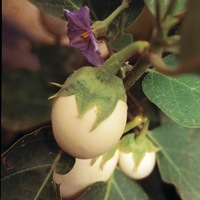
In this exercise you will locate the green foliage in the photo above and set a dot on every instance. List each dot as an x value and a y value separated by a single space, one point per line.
55 8
178 158
122 41
118 187
27 167
30 174
178 97
132 13
180 6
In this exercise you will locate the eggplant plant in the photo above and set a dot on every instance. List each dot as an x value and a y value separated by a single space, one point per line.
102 99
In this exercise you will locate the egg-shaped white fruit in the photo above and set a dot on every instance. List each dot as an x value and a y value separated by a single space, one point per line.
83 175
145 167
74 135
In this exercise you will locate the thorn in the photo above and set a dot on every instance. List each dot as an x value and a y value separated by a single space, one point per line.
56 84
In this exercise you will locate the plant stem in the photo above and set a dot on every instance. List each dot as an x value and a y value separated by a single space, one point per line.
114 14
114 63
145 128
100 28
132 124
137 71
73 5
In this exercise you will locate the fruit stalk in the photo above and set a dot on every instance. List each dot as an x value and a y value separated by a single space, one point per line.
114 63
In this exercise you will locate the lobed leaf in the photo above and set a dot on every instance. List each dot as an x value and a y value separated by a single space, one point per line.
178 158
178 98
27 167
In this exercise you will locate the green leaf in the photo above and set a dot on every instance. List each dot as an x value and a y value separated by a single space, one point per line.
178 158
178 98
121 42
55 8
179 7
132 12
27 167
113 31
99 9
118 187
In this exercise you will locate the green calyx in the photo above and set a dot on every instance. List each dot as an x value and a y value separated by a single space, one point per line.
138 146
93 87
106 156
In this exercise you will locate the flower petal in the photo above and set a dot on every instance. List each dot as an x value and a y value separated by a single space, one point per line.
91 52
79 23
78 19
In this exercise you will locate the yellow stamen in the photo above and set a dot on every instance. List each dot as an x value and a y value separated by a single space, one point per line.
85 36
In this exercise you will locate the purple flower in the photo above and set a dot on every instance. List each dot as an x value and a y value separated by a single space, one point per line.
81 36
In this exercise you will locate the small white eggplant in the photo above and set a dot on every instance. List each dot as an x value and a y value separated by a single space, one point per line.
74 135
89 113
146 166
83 174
